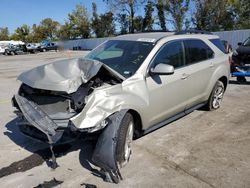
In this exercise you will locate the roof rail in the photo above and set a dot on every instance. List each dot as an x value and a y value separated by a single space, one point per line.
193 31
153 31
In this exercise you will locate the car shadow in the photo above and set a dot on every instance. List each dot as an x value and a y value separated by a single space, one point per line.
84 144
18 138
239 83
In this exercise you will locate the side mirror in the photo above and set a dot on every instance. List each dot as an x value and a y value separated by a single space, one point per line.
239 43
162 69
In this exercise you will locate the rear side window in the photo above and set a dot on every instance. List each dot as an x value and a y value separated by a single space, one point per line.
196 51
171 54
218 44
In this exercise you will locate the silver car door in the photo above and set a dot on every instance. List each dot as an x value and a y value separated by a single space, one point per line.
199 69
167 93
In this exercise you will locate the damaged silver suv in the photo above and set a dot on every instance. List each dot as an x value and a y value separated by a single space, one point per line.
124 88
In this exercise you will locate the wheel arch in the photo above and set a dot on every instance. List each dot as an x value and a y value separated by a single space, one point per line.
224 80
138 123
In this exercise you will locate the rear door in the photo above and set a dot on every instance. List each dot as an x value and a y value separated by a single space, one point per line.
199 59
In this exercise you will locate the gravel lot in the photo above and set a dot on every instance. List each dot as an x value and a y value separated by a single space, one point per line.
203 149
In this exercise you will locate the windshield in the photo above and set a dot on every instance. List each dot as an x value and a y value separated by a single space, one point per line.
125 57
247 42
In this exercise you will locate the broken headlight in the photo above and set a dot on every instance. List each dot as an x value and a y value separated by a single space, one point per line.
89 129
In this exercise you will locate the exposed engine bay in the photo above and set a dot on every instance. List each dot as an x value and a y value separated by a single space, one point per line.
59 104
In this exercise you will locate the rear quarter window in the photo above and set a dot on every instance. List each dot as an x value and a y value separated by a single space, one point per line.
218 44
196 50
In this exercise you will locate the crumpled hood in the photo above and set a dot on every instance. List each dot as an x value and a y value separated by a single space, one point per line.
65 75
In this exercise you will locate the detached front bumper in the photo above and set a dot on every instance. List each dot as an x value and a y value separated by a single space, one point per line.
36 123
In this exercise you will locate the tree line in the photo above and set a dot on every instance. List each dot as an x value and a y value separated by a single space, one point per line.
130 16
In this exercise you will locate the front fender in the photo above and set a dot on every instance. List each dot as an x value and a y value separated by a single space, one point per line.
103 102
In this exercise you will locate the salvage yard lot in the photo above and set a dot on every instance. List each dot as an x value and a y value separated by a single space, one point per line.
203 149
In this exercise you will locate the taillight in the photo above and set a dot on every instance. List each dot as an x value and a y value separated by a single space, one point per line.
230 59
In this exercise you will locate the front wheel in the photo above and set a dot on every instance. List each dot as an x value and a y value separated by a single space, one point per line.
216 96
124 140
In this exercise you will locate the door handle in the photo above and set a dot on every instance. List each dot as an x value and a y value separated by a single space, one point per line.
211 65
185 76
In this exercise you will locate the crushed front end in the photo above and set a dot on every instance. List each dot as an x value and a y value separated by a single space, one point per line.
51 95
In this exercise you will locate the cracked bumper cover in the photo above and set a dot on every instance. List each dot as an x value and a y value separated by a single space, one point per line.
39 119
104 154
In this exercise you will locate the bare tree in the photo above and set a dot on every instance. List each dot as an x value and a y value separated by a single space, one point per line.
127 7
160 6
177 9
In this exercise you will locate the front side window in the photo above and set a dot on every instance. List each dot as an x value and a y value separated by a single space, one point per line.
171 54
196 50
125 57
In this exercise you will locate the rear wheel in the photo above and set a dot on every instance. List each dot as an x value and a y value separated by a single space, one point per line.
124 140
12 53
216 96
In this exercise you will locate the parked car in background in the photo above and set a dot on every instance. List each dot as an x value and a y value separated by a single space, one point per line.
15 49
242 54
33 47
240 67
48 46
2 49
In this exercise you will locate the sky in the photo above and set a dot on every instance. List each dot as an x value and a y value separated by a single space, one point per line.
14 13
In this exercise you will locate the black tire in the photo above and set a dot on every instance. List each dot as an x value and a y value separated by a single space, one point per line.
241 79
212 104
12 53
121 139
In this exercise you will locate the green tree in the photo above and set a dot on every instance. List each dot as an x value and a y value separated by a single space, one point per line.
107 22
241 13
213 15
79 22
103 25
177 10
21 33
38 33
4 33
124 23
160 6
138 23
148 20
47 30
64 33
95 22
50 28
